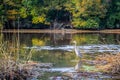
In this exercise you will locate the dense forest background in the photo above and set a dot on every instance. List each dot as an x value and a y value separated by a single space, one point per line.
81 14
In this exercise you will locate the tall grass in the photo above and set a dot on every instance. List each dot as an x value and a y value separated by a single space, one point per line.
109 63
13 59
11 67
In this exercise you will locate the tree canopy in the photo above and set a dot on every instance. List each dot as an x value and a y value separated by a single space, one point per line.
83 14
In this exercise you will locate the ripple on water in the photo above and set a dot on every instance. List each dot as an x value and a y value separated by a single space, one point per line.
84 49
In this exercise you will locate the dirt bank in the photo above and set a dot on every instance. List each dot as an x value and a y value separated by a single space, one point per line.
117 31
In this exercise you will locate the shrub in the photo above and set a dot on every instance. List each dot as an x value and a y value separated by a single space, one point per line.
85 24
23 12
90 23
39 19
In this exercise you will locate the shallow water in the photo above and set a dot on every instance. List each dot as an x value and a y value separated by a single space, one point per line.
111 48
59 49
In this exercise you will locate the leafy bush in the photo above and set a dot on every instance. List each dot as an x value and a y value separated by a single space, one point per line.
23 12
90 23
39 19
77 23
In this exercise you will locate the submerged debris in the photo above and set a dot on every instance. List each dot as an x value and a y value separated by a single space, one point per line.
28 71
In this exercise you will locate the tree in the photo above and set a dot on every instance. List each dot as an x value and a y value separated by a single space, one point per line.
113 14
84 10
80 13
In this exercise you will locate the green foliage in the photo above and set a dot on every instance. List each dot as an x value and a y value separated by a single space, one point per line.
1 9
90 23
86 24
84 13
38 19
87 13
23 12
34 12
113 16
111 21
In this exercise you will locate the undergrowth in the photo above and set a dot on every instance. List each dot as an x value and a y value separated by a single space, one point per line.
11 67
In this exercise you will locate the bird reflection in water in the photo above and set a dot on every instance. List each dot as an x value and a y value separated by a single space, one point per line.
78 66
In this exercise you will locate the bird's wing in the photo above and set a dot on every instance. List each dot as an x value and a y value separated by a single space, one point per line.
79 53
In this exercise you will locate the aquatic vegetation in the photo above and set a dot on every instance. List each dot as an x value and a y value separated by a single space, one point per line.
60 55
15 67
11 68
109 63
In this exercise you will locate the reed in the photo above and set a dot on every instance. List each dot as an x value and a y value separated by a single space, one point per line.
109 63
11 66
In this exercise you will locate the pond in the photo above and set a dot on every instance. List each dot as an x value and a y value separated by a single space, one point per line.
58 48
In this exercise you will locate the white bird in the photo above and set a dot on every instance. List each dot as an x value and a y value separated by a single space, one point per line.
78 66
77 50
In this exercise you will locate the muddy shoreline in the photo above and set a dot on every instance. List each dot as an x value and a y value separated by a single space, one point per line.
69 31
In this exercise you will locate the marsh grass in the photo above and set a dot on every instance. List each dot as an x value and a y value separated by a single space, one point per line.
11 66
109 63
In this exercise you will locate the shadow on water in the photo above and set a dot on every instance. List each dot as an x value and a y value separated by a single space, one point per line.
59 50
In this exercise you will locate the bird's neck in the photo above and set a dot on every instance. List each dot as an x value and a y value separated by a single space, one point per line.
75 45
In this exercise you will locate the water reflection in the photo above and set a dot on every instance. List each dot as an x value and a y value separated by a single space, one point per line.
58 49
59 39
78 66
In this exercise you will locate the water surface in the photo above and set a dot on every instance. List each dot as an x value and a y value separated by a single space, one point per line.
58 48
